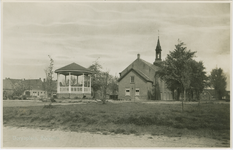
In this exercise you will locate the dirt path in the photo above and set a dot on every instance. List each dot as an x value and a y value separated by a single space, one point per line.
24 137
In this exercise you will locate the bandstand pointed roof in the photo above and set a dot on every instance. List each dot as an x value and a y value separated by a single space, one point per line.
74 69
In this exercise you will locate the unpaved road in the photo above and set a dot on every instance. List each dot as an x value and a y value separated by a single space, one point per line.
24 137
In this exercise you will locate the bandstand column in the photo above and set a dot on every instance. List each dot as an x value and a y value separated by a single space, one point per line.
58 85
65 80
90 83
69 84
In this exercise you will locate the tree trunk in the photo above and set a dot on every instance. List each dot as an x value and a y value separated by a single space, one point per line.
93 94
178 94
183 99
192 94
199 100
173 94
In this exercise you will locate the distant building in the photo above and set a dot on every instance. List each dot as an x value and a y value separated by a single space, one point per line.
32 87
8 86
208 94
138 80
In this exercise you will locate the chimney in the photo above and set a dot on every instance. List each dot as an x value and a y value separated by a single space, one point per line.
138 56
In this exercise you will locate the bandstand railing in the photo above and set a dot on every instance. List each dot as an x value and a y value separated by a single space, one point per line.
75 89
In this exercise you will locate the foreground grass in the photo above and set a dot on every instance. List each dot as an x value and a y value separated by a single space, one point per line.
211 120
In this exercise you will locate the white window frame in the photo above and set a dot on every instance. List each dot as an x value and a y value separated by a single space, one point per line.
137 93
131 79
127 93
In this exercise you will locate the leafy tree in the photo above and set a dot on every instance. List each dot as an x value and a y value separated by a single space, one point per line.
218 82
173 86
49 78
112 86
96 77
177 68
18 88
198 79
102 81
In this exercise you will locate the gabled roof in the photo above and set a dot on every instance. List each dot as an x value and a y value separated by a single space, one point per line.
210 91
28 84
33 84
149 64
74 68
8 83
153 67
139 73
54 85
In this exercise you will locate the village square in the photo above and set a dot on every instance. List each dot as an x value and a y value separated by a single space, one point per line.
116 75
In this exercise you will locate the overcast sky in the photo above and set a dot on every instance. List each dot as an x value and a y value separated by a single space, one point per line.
113 32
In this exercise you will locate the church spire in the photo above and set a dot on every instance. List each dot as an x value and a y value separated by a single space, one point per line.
158 52
158 47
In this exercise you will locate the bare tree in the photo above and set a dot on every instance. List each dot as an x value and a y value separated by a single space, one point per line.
104 85
49 78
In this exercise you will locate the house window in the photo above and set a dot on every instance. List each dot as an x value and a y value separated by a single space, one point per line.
132 79
137 91
127 92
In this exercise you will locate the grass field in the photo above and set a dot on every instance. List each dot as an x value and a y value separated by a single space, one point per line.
209 120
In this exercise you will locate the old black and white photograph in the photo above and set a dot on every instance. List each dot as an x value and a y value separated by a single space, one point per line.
116 74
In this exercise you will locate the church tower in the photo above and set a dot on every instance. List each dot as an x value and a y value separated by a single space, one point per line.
158 52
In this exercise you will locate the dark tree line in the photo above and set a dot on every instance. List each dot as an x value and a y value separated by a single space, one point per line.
183 74
218 82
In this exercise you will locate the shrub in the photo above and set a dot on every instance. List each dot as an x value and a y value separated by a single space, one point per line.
24 97
132 131
118 130
48 106
52 100
15 97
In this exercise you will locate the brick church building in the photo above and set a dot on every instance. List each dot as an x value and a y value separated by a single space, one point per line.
138 80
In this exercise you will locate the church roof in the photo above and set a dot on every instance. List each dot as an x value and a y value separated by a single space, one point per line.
149 64
140 71
74 68
141 74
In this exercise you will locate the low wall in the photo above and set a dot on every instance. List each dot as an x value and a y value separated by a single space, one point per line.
73 95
